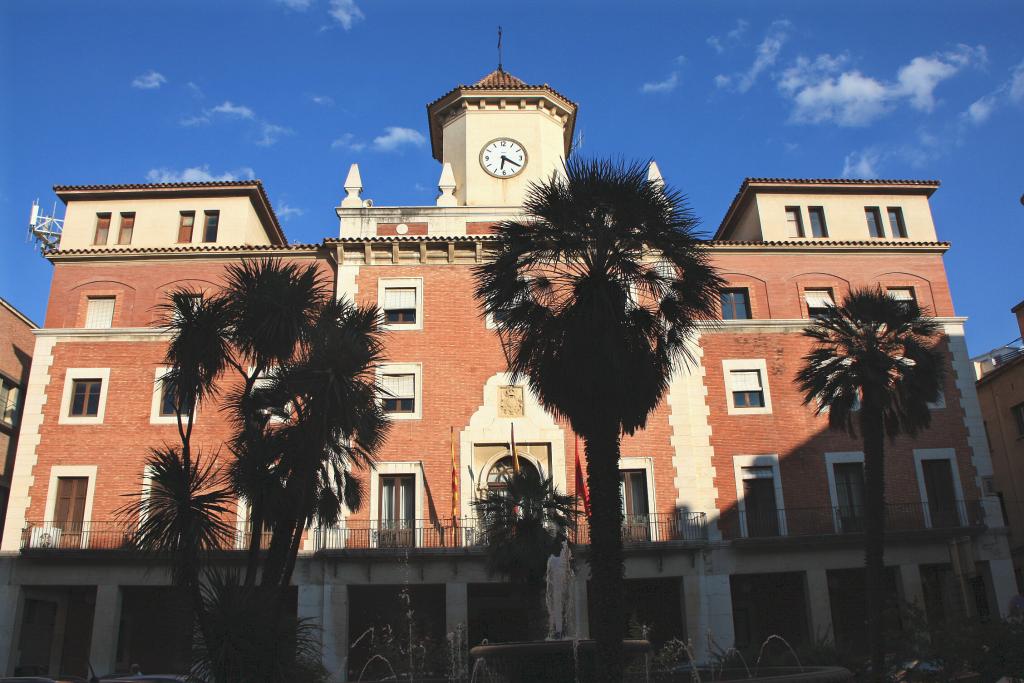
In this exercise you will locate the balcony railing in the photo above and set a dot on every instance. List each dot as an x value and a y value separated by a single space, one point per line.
837 520
110 535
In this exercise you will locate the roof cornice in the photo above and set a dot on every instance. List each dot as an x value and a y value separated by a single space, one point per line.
190 252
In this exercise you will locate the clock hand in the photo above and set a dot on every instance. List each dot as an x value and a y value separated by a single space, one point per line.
511 162
503 160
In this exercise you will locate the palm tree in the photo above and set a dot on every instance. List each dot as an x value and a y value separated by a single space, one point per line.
597 293
880 353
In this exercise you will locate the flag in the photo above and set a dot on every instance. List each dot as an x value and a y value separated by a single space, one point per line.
455 480
581 482
515 456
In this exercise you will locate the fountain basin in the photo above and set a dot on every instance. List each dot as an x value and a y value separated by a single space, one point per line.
550 661
774 674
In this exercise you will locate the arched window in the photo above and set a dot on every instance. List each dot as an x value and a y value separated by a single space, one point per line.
504 468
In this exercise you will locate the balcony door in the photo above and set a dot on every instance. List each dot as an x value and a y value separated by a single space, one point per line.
759 503
397 510
69 512
938 485
849 478
636 523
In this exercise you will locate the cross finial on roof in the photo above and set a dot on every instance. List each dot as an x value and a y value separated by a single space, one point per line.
499 49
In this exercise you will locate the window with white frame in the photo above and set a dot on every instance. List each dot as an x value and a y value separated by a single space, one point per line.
746 386
759 495
845 473
9 395
99 312
818 301
163 408
401 302
938 483
401 391
84 396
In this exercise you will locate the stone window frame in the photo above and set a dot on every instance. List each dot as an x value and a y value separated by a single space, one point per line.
413 468
948 454
89 472
415 369
72 374
155 417
831 460
416 283
759 364
741 462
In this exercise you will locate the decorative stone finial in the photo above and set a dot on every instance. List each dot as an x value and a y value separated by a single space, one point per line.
446 183
353 188
654 174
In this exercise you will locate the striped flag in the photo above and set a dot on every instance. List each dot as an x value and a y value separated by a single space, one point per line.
515 456
455 480
581 482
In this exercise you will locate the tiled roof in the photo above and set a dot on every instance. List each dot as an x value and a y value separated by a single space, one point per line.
251 185
933 184
196 249
499 78
826 243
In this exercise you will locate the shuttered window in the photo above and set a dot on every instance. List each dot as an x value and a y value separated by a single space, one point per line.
818 301
794 223
901 293
747 390
99 312
186 222
124 234
102 229
399 393
400 305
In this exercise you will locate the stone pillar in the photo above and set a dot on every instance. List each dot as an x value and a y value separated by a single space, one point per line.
708 599
910 582
310 607
9 616
582 606
456 606
335 635
1004 584
106 624
819 606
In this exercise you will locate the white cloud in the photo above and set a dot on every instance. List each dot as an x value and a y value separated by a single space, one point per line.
197 120
286 212
862 164
395 137
270 133
719 44
852 98
348 141
195 90
667 85
298 5
722 81
1012 90
197 174
150 80
323 100
1017 83
345 12
234 110
765 55
981 109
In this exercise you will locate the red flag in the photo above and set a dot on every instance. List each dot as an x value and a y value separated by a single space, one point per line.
581 481
515 456
455 480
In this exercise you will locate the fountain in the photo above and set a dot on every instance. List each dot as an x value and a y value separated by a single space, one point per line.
561 658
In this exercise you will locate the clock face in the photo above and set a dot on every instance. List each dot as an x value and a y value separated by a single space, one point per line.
503 158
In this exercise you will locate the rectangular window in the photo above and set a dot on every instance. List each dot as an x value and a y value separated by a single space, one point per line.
747 390
85 397
124 234
818 301
896 225
735 304
759 502
186 222
938 485
818 227
874 218
69 509
99 312
167 400
636 520
400 305
901 293
794 223
102 229
849 479
210 227
399 393
1018 417
8 402
397 510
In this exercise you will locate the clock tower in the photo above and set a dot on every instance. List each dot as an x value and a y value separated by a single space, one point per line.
499 135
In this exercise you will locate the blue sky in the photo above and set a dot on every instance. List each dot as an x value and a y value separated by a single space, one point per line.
293 91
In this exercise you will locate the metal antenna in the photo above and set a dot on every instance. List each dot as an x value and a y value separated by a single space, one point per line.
499 49
45 231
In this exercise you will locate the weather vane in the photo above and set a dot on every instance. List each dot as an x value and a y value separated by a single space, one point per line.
499 49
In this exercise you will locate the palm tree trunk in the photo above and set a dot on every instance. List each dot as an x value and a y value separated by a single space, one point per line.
872 431
255 541
606 551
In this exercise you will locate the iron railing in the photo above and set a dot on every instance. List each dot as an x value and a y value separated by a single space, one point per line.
819 521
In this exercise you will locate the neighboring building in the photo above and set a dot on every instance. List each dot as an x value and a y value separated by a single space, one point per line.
1001 394
743 511
16 344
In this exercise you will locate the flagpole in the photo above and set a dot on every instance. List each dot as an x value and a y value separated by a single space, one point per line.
515 455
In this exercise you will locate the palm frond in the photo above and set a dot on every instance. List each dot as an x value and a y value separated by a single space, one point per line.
198 350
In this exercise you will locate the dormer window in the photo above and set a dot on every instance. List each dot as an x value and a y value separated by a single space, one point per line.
102 229
818 227
896 224
794 223
210 226
186 222
124 234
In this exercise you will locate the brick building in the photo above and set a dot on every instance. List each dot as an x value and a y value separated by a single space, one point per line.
743 512
15 361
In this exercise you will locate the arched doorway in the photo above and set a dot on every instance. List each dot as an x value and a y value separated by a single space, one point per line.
503 468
